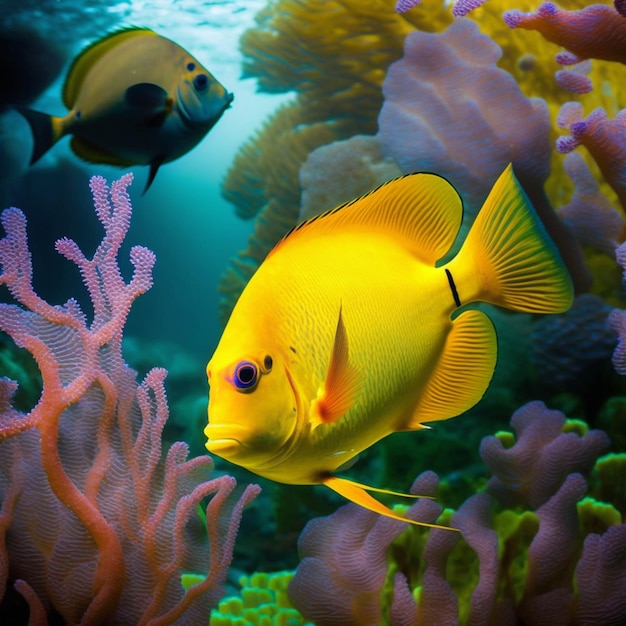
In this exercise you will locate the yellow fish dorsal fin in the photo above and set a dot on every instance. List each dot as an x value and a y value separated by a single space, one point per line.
423 212
85 60
517 265
356 492
341 386
462 373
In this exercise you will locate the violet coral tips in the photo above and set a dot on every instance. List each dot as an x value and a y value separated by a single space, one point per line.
595 32
604 138
94 524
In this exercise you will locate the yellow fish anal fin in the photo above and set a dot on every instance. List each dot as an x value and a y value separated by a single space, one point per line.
422 212
355 492
338 392
85 60
463 372
508 258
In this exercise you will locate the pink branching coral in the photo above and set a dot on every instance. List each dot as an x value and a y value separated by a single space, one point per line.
604 138
95 527
595 32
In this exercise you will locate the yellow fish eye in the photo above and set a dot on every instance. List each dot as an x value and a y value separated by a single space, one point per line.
246 375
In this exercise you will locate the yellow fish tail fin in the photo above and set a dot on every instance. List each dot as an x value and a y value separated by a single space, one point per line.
46 129
356 492
515 264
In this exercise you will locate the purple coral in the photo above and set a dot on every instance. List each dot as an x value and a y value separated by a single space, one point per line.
463 7
402 6
348 552
590 214
94 525
348 548
605 139
617 319
461 122
532 470
567 351
595 32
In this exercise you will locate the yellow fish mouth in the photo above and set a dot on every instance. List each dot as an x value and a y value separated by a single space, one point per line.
222 437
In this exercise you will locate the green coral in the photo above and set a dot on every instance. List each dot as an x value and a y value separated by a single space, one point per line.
263 601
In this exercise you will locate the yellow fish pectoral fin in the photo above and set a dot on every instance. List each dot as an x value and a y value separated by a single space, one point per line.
338 393
462 373
356 492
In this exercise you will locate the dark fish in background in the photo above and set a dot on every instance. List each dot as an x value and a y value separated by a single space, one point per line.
29 64
134 98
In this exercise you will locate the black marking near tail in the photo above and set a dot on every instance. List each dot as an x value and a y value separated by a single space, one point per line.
455 293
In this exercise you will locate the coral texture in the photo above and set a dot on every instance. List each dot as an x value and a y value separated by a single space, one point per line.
429 117
590 214
95 526
567 351
617 318
605 139
506 566
595 32
363 168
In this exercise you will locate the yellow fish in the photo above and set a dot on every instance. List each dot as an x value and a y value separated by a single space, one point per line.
359 324
135 98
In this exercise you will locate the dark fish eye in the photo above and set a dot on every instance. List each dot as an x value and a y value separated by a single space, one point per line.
246 375
267 363
201 82
191 66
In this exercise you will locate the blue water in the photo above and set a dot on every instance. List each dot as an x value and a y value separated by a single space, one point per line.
182 217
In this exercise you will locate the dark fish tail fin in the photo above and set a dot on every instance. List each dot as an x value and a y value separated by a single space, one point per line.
508 259
45 132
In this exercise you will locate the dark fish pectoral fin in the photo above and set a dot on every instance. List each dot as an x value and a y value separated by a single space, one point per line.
42 127
148 98
154 168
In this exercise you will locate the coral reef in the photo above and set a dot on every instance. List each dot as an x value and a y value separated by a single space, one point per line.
95 526
595 32
568 351
527 550
604 138
263 601
361 163
419 123
590 214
